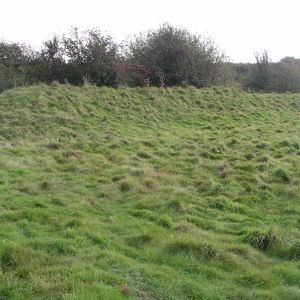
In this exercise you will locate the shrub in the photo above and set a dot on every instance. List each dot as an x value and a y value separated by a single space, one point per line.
173 56
90 56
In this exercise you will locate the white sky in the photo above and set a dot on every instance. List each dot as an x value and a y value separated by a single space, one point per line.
240 27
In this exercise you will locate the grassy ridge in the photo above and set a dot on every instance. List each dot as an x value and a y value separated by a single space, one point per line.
149 193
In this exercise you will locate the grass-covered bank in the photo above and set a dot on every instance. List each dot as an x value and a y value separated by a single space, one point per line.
149 193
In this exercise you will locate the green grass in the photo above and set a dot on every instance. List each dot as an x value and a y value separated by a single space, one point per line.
149 193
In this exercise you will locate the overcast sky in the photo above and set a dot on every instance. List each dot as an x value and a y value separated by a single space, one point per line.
240 27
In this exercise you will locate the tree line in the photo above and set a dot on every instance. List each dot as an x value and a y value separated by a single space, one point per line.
167 56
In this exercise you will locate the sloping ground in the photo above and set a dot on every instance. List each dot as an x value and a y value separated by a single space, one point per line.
149 193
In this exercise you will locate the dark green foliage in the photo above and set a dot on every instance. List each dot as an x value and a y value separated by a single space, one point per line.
14 62
173 57
261 76
168 56
49 64
91 57
81 57
265 75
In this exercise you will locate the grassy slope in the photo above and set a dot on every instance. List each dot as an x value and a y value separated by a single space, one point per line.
149 193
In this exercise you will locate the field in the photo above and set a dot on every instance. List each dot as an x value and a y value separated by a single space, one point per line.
149 193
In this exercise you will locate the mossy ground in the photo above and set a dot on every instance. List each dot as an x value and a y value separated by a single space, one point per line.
149 193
